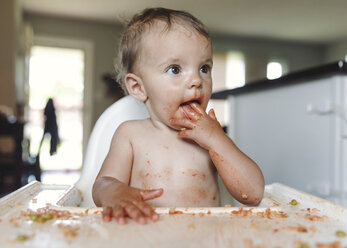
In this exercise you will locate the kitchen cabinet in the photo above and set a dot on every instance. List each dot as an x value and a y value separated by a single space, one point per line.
295 128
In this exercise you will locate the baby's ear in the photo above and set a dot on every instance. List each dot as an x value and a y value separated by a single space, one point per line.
135 87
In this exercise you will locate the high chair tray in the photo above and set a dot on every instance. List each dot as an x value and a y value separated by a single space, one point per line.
40 215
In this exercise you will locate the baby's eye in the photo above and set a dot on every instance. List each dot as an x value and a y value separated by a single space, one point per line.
174 69
205 69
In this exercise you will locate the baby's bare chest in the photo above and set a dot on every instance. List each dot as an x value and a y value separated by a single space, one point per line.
170 163
185 173
170 159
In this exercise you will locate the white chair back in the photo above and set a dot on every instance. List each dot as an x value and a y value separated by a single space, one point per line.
127 108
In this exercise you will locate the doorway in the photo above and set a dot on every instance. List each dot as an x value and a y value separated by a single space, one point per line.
57 73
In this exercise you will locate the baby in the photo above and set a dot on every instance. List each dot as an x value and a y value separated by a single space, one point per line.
172 158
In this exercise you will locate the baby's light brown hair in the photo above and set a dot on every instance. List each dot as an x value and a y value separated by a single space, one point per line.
131 38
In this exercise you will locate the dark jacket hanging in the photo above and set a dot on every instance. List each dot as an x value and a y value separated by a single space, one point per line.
51 126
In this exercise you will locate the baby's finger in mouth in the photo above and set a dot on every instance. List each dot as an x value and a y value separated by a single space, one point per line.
184 112
183 123
196 107
192 114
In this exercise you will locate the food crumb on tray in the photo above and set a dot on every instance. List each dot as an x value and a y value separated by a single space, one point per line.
340 234
249 244
24 237
69 231
191 227
173 211
311 217
335 244
300 229
45 214
293 202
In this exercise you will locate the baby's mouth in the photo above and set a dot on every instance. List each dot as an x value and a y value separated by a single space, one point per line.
190 102
188 105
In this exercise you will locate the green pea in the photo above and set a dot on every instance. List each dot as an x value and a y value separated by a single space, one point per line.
47 217
40 219
304 245
34 217
340 234
284 215
293 202
22 237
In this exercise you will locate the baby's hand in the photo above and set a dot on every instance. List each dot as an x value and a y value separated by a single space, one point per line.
129 202
201 127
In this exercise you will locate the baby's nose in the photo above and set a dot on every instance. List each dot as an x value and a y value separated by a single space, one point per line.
195 81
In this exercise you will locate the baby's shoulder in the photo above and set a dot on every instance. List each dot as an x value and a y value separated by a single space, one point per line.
132 126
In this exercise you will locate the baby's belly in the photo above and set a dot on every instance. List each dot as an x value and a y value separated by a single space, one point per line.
186 175
191 196
198 192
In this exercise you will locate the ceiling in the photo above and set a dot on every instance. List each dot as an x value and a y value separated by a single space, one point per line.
315 21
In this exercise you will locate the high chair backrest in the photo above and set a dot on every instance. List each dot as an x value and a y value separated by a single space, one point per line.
127 108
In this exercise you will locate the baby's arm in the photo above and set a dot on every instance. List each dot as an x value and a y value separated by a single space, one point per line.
111 190
241 175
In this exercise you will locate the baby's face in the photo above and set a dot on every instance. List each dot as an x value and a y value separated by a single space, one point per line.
175 68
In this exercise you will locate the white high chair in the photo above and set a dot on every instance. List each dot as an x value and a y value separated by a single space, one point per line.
127 108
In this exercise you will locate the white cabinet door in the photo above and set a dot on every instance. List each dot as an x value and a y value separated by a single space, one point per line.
293 132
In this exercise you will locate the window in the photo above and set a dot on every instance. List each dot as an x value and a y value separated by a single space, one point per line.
274 70
235 70
228 72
